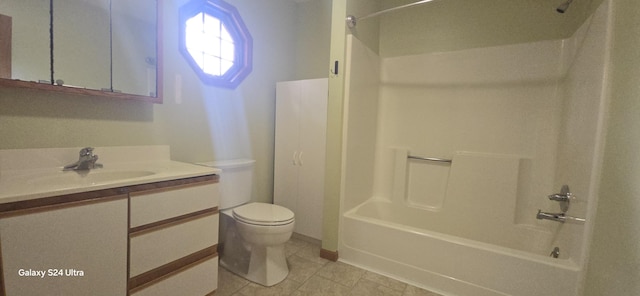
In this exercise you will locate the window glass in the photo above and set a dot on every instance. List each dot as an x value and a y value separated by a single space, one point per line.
215 42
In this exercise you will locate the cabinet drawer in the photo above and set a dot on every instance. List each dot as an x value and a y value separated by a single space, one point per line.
198 279
160 204
152 249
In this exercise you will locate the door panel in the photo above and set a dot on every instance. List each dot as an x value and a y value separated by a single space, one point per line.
285 187
313 127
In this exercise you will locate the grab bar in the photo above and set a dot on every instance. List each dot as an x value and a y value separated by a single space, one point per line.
430 159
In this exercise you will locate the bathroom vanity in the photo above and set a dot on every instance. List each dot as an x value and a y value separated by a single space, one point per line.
140 225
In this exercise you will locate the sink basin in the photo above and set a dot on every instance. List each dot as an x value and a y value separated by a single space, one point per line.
94 177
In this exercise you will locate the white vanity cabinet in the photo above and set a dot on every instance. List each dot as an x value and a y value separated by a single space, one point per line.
158 238
76 248
300 139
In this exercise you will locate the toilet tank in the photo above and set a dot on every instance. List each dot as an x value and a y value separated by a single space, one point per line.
236 181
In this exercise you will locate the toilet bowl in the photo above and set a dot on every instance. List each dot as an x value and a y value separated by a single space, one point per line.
264 224
266 237
252 234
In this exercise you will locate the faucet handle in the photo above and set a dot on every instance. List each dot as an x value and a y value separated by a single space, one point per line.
564 198
564 195
93 164
86 151
560 197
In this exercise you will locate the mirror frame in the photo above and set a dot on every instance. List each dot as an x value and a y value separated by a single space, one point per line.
14 83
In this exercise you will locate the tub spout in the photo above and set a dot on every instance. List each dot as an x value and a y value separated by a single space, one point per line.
559 217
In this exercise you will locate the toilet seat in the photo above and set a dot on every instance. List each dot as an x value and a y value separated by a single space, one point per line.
263 214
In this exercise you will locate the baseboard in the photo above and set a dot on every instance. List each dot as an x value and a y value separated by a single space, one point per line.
329 255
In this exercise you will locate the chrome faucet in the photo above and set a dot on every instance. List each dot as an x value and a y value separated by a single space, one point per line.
86 161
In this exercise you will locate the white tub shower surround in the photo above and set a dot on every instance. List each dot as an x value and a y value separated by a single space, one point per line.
517 121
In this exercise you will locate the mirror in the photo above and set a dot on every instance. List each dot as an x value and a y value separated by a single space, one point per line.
106 48
81 44
134 46
24 40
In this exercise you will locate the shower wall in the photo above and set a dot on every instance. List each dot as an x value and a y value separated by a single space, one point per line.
518 121
361 119
585 105
494 111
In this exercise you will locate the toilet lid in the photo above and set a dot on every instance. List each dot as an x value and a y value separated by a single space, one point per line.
263 214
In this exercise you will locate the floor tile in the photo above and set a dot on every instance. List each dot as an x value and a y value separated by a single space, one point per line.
311 253
385 281
229 283
319 286
342 273
310 275
286 287
301 269
293 246
366 287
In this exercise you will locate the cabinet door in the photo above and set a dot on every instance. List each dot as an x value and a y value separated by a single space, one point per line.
301 119
66 250
312 142
285 187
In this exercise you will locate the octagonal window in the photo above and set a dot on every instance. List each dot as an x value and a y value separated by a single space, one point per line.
215 42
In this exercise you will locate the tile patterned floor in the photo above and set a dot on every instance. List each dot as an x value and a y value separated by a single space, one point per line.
310 275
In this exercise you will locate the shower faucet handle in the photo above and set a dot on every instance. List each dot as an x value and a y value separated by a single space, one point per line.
559 197
563 198
564 195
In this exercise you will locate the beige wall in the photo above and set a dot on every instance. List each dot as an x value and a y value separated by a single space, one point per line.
333 168
614 265
30 119
462 24
313 38
367 30
333 175
206 123
199 122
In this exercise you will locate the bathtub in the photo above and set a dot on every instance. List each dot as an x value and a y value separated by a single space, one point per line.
512 133
380 236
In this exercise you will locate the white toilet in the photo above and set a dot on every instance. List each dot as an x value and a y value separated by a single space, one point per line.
252 234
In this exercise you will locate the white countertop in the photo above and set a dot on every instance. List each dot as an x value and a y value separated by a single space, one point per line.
27 174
